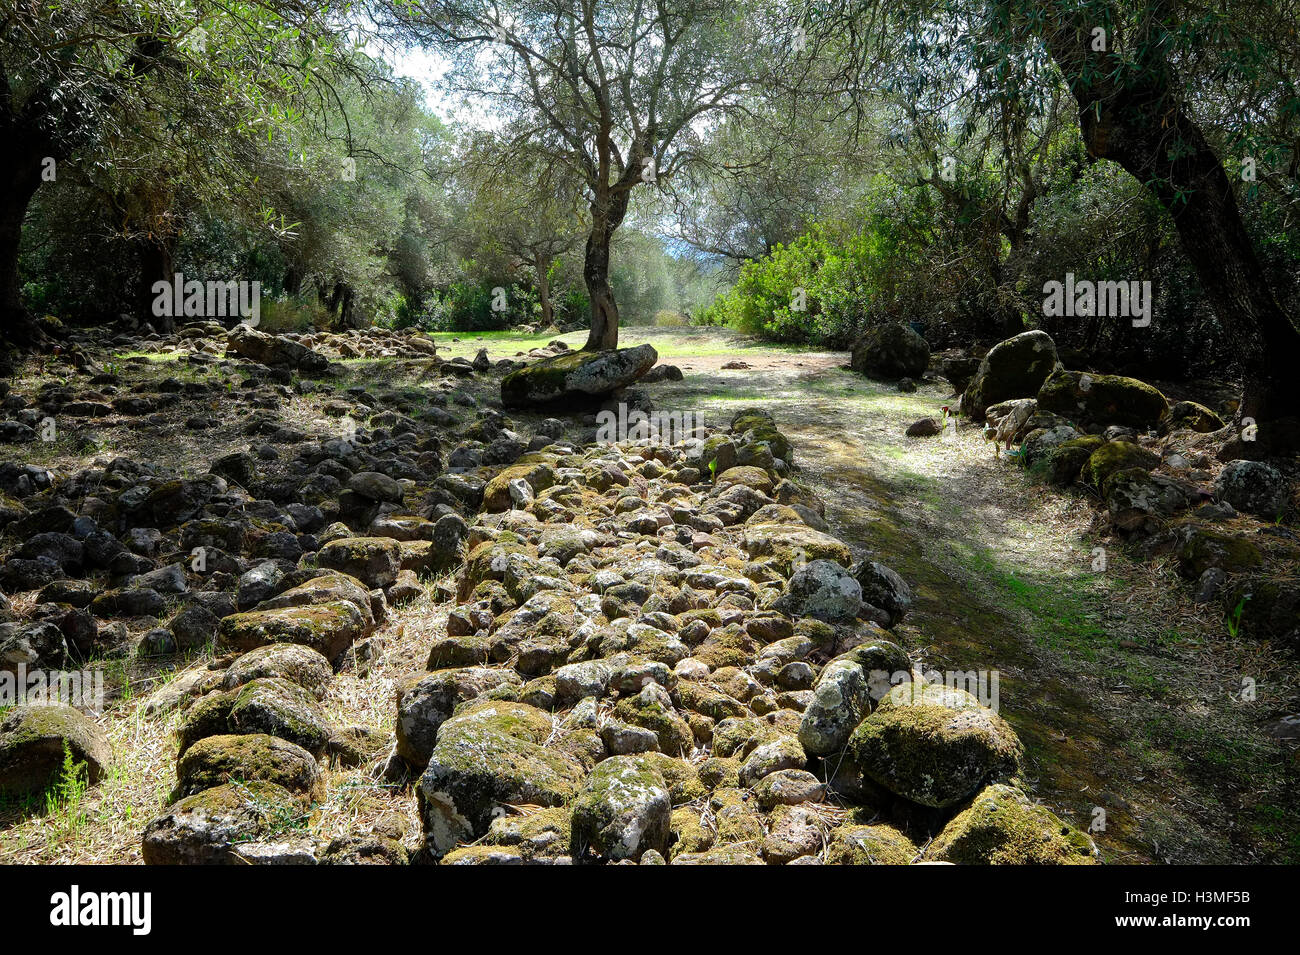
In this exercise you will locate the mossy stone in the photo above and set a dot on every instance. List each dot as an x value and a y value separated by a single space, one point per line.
934 745
1002 826
256 757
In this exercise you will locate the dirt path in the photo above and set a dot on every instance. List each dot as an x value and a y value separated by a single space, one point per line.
1127 697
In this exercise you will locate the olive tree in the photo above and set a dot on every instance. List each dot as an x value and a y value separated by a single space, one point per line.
105 86
615 94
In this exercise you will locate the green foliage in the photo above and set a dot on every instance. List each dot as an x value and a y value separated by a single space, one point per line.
64 797
1234 618
832 271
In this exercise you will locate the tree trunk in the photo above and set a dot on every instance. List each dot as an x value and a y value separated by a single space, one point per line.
1136 122
156 262
293 280
20 175
544 289
595 272
348 316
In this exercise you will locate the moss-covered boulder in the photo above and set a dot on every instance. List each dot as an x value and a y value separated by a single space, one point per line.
1116 456
751 477
653 709
210 827
268 705
1015 368
325 587
869 845
735 818
496 495
1103 399
934 745
33 740
689 833
256 757
541 834
290 661
624 809
489 755
1190 415
1004 827
1202 548
1064 463
576 376
375 561
750 426
890 351
784 546
329 628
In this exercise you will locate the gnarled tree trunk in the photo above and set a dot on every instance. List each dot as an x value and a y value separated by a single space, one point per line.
20 176
1137 122
604 310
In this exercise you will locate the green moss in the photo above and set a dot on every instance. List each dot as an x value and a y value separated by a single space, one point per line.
1204 548
934 745
1103 399
1116 456
869 845
650 712
689 833
257 757
1003 827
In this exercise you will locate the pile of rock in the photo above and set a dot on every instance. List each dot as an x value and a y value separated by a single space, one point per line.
659 653
1156 469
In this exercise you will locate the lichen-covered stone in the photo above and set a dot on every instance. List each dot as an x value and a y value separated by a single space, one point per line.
1254 488
487 755
841 700
209 827
623 810
823 590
